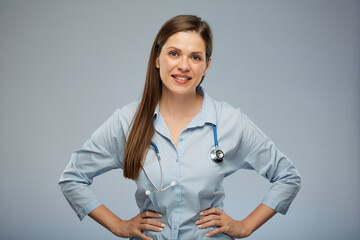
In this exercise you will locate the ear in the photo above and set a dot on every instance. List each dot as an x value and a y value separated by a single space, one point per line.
157 63
207 66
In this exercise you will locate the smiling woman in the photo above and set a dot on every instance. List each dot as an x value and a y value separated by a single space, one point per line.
182 65
177 117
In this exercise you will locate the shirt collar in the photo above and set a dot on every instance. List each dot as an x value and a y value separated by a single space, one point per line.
207 112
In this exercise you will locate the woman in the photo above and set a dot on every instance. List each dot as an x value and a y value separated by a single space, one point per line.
181 196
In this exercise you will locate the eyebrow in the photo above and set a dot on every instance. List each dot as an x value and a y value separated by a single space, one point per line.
179 50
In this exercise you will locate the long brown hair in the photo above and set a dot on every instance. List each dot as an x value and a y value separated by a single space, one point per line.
142 126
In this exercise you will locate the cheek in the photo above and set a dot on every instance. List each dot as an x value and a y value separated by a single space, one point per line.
167 65
199 70
163 69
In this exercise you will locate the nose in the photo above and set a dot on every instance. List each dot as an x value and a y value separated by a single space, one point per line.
183 65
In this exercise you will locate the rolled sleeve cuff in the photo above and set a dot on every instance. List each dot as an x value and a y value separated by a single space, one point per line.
278 207
84 211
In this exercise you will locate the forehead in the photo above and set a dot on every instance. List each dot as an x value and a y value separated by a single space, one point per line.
186 41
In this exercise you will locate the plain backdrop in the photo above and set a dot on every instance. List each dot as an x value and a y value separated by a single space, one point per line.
292 66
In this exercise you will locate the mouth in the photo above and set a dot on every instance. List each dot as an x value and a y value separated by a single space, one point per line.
181 78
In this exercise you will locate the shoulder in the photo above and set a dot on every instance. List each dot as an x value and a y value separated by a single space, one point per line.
123 116
236 121
226 111
128 111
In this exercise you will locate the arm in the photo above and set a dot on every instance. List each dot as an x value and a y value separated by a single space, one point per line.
99 154
233 228
255 151
102 152
257 218
107 219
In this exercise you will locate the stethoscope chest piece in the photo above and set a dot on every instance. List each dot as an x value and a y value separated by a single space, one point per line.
217 155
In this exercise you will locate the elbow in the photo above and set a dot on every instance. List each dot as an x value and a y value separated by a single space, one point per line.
294 178
62 182
66 184
293 181
296 183
63 186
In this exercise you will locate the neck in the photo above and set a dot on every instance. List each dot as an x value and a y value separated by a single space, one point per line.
180 106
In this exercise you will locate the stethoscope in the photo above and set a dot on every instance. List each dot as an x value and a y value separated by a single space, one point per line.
216 155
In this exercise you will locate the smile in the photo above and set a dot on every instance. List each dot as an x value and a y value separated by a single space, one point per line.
181 78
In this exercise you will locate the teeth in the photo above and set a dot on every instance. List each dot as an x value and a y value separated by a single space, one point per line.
181 78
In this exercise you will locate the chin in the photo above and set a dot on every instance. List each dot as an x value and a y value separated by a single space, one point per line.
180 90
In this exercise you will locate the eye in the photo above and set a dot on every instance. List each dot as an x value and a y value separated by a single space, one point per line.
196 58
173 54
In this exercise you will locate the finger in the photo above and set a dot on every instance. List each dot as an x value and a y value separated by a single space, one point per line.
207 219
150 227
152 222
214 232
210 211
151 214
210 224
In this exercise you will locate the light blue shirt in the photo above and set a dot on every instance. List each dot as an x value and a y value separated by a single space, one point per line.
199 180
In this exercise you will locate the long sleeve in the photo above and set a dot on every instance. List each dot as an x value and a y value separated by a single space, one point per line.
259 153
101 153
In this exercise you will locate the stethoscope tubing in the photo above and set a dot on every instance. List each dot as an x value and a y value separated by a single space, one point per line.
214 155
161 170
215 137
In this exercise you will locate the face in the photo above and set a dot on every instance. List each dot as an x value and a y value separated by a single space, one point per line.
182 63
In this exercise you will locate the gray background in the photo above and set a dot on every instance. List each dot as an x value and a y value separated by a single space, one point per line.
292 66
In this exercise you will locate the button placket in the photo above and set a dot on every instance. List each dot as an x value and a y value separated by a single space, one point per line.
177 191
